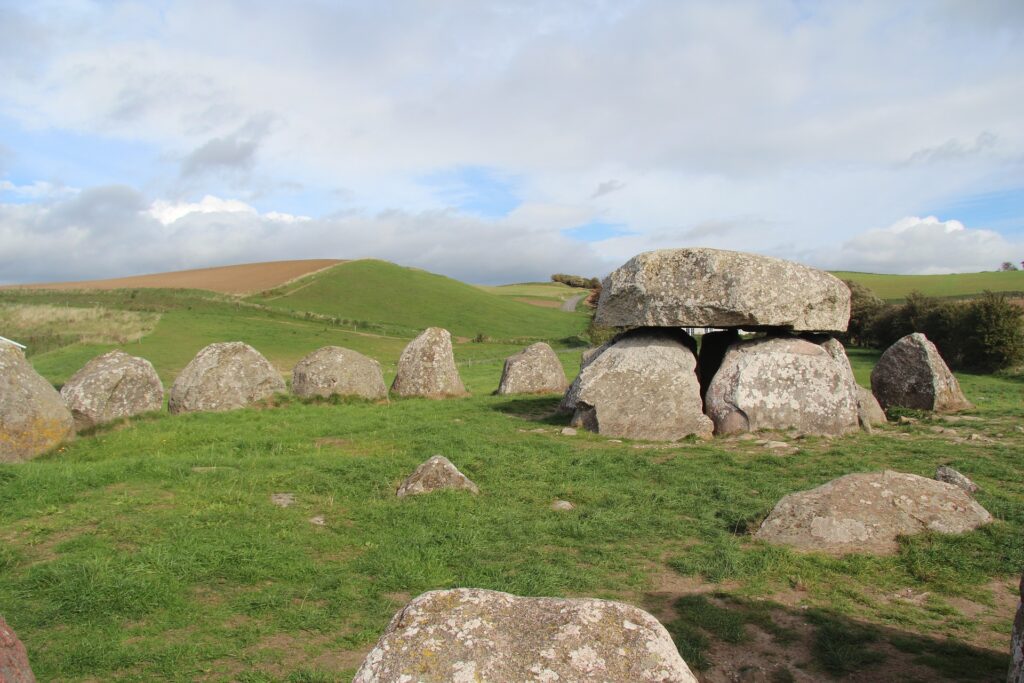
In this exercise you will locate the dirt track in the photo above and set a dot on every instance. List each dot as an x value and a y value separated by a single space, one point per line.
244 278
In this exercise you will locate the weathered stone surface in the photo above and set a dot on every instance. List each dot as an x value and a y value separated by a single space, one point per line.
33 417
867 512
534 370
1016 674
224 376
110 387
333 370
572 394
782 383
470 634
869 412
951 476
912 374
427 367
433 475
643 387
713 346
14 666
715 288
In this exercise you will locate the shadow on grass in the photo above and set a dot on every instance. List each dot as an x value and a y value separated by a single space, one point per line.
734 637
542 409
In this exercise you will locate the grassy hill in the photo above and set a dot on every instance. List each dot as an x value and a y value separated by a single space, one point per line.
544 294
955 285
378 291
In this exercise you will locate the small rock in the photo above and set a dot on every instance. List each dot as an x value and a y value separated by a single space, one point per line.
568 431
282 500
614 440
951 476
774 445
746 436
904 420
318 520
433 475
1019 429
561 505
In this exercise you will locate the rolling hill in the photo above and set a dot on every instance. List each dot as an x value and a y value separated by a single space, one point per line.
955 285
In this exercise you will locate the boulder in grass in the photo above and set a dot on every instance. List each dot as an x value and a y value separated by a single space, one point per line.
14 666
224 376
951 476
33 417
716 288
644 386
782 383
534 370
1016 674
334 371
112 386
470 634
427 367
912 374
866 513
433 475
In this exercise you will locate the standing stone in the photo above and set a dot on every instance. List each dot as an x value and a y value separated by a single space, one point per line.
713 346
868 512
1016 674
112 386
869 412
433 475
14 667
715 288
470 634
572 394
912 374
643 387
782 383
534 370
224 376
33 417
427 367
333 370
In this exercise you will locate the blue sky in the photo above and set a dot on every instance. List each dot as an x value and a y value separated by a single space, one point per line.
504 141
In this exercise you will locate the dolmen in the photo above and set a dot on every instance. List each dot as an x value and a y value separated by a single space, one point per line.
112 386
33 417
651 383
224 376
469 634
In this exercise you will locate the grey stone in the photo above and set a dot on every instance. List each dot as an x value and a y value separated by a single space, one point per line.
427 367
562 506
433 475
110 387
1016 674
568 431
14 665
334 371
224 376
869 412
572 394
912 374
951 476
33 417
534 370
715 288
643 387
866 513
469 634
282 500
782 383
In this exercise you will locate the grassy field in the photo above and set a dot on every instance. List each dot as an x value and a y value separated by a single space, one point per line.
959 285
544 294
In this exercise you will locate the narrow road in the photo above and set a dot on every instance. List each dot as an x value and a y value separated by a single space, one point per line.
569 305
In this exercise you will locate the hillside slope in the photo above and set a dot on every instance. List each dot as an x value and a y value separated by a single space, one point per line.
378 291
955 285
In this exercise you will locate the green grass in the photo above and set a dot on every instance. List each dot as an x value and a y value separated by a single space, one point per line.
119 561
378 291
958 285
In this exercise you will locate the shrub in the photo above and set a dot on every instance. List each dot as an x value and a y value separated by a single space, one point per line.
576 281
993 333
865 306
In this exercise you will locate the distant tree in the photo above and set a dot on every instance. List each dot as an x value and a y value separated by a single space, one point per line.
1008 265
576 281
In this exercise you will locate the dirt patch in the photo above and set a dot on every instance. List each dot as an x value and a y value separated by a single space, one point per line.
244 278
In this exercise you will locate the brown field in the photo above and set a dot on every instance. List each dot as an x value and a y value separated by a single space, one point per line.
244 278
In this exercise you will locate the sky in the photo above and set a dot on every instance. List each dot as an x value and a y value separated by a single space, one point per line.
502 142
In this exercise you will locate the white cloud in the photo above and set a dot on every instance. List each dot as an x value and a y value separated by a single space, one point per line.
38 190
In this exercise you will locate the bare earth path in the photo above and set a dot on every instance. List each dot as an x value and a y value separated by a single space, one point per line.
244 278
570 304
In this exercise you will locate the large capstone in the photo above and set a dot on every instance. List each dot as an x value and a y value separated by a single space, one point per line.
783 383
427 367
33 417
334 371
224 376
1016 674
110 387
644 386
715 288
912 374
14 667
865 513
470 634
534 370
434 475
